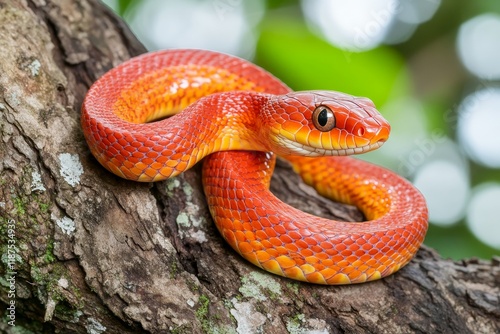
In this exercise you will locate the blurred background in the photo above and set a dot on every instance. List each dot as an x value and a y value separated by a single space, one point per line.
432 68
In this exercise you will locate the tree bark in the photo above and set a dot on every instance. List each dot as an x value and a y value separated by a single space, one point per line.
94 253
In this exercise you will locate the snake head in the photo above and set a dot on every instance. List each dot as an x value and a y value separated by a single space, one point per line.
318 123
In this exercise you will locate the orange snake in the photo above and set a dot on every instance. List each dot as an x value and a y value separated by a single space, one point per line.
231 105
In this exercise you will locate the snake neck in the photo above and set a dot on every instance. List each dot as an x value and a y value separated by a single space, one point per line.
235 121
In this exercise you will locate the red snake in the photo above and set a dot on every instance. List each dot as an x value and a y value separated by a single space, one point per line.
231 105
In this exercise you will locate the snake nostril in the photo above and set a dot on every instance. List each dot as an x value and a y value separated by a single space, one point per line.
360 131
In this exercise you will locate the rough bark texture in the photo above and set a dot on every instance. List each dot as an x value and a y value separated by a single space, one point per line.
95 253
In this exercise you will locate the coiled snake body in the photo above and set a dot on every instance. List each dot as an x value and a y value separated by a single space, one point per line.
235 114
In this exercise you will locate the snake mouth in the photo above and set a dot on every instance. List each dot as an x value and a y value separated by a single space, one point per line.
291 147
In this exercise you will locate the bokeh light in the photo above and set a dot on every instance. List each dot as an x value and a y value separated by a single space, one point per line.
408 16
478 126
354 25
479 46
445 186
360 25
220 25
482 213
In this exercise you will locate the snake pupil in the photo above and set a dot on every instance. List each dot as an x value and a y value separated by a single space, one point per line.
323 117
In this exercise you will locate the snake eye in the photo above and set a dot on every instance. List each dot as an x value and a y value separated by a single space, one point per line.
323 118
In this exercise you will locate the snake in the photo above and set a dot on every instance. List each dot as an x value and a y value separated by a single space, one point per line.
156 115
